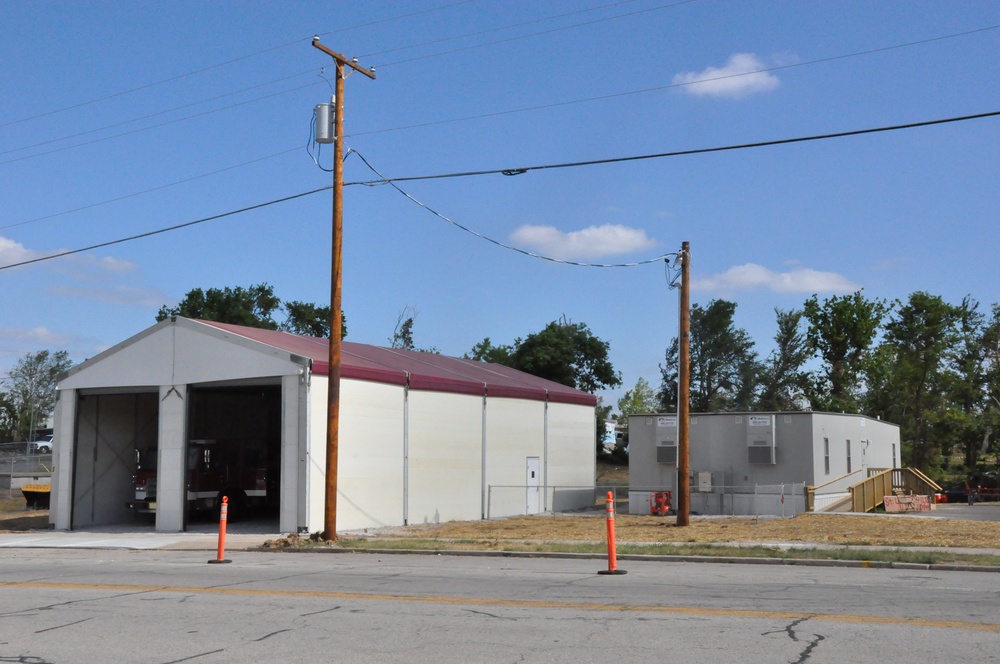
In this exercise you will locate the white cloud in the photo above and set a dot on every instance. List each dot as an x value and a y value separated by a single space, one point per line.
755 277
739 77
41 337
14 252
114 294
592 242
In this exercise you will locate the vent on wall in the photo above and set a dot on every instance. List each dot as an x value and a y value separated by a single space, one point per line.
761 455
666 454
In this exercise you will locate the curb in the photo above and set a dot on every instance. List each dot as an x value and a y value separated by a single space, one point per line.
725 560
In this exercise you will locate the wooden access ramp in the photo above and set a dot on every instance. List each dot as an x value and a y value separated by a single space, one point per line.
870 494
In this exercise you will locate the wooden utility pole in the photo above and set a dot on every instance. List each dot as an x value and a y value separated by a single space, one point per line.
336 281
684 392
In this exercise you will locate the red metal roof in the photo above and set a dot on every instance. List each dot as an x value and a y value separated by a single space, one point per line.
420 371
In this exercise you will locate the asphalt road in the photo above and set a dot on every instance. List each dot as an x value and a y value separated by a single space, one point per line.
171 606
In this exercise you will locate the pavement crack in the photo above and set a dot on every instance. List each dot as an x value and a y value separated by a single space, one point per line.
267 636
491 615
49 629
24 659
315 613
789 631
808 650
202 654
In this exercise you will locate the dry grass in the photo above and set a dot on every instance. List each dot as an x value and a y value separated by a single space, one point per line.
15 517
805 528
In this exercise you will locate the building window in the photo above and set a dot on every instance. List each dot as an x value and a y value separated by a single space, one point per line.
848 456
826 455
894 465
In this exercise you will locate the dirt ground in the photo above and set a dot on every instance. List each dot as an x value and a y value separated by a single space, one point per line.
884 530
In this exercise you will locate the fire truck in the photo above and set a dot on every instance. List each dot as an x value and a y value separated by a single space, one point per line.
215 468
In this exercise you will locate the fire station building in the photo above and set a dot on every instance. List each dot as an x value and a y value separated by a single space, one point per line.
195 410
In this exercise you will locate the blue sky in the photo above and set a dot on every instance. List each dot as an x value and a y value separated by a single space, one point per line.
123 118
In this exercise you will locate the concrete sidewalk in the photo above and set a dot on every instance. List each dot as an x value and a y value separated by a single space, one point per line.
130 541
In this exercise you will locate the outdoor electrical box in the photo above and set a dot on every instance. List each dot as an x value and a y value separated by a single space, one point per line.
324 123
666 439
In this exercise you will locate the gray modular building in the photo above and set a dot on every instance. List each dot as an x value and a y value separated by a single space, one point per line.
736 458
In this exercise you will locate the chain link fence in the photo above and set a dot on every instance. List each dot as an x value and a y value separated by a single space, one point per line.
20 466
512 500
783 500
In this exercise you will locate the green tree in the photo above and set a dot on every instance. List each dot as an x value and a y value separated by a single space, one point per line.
567 353
921 334
32 389
310 320
724 367
402 334
485 351
969 413
640 399
783 382
8 419
842 330
254 307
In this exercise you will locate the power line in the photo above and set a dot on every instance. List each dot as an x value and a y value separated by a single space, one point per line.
156 126
509 26
518 171
658 88
150 190
177 77
680 153
535 34
167 229
163 112
503 244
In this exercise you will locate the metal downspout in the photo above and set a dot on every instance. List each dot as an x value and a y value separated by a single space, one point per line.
406 451
545 456
482 463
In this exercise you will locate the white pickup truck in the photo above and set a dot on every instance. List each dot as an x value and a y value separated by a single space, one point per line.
43 446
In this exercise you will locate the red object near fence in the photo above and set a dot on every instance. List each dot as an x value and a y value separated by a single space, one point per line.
659 503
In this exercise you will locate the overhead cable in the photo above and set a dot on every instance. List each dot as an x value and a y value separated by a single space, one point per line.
390 181
150 190
535 34
167 229
679 153
498 242
202 70
669 86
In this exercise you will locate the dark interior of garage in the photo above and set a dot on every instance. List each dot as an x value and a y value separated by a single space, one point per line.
234 450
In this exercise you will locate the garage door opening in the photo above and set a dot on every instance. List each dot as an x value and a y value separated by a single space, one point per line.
116 437
234 451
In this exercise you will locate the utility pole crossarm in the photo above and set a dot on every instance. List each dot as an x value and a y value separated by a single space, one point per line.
343 59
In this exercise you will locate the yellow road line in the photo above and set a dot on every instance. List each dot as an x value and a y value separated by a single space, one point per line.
521 603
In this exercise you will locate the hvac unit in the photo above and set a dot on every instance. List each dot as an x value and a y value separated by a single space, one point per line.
666 440
760 439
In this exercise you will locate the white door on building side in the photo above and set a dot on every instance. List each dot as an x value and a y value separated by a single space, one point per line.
532 482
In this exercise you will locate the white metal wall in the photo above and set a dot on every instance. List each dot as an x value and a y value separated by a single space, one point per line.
370 482
572 445
445 456
515 430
